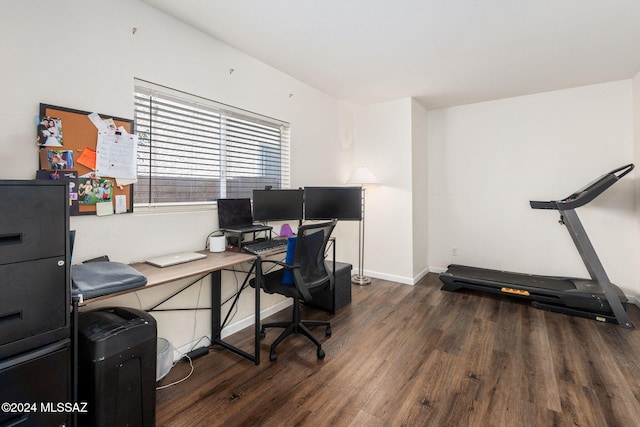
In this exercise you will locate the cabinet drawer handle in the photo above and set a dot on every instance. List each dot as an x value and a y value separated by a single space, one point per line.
10 239
11 317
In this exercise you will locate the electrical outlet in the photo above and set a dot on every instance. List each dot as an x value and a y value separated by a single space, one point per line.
454 251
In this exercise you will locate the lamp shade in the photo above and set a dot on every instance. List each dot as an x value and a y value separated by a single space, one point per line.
362 176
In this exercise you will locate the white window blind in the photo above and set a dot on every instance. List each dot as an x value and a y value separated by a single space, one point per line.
192 150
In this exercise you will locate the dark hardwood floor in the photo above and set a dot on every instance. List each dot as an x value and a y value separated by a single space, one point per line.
417 356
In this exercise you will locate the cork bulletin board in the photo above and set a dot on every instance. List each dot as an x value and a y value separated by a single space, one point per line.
72 151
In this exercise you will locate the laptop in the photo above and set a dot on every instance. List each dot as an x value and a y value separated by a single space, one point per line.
173 259
234 215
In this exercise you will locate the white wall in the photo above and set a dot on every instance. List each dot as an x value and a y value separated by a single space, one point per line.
83 54
383 144
487 160
419 190
391 140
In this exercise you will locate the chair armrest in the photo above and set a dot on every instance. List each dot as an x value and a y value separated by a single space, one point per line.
280 263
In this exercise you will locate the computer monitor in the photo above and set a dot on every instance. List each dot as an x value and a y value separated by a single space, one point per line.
342 203
234 213
278 205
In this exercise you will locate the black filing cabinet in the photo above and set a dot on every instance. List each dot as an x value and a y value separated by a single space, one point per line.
34 267
36 383
117 367
340 295
34 301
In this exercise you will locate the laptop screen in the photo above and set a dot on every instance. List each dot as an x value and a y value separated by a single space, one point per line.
234 213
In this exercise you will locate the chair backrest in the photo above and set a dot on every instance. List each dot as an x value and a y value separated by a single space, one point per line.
309 254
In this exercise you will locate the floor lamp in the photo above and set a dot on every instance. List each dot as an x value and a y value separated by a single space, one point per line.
361 176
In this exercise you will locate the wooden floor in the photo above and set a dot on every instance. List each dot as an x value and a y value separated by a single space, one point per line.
417 356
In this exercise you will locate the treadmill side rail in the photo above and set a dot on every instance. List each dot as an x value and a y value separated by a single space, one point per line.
594 266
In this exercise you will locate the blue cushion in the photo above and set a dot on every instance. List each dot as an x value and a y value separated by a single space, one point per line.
287 277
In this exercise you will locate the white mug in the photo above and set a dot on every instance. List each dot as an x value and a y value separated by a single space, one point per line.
217 243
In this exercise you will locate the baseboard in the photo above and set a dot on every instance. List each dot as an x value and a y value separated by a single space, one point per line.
248 321
389 277
633 300
420 275
398 279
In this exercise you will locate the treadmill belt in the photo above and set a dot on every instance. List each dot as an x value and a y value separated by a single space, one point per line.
502 278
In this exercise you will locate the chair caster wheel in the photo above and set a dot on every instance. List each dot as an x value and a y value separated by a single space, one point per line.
327 332
262 334
273 356
320 353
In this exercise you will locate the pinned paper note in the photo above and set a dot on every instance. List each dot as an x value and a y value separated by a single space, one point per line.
104 208
87 158
121 203
103 125
116 155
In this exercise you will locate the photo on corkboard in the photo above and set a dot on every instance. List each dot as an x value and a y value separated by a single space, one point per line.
50 132
92 190
60 159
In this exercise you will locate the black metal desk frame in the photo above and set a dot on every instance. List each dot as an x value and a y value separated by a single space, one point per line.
201 269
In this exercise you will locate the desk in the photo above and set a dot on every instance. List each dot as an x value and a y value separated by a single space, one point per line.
212 265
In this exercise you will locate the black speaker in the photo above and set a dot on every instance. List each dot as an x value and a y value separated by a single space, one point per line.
332 300
34 265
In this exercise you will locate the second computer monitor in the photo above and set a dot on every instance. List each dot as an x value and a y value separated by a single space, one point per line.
343 203
278 205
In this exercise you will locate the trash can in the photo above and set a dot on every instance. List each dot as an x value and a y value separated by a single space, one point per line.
117 367
164 360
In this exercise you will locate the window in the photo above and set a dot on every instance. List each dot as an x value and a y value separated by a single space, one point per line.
193 150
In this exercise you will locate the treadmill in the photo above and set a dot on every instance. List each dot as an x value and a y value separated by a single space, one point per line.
596 298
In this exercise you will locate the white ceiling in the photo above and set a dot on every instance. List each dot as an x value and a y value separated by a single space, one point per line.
441 52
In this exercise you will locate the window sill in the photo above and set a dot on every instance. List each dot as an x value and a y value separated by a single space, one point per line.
173 208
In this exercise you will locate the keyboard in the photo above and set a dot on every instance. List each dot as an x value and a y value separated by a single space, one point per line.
266 246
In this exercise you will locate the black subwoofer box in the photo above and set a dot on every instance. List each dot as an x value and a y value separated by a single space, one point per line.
332 300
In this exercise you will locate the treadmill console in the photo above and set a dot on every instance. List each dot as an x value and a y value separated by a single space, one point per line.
587 193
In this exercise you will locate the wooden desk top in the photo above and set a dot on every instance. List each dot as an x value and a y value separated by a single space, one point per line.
213 262
161 275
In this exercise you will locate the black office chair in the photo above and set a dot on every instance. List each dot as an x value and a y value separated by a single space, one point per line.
298 279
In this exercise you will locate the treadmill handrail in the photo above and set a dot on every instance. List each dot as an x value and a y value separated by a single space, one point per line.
587 193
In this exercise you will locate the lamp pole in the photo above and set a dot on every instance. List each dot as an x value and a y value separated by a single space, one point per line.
361 176
360 279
